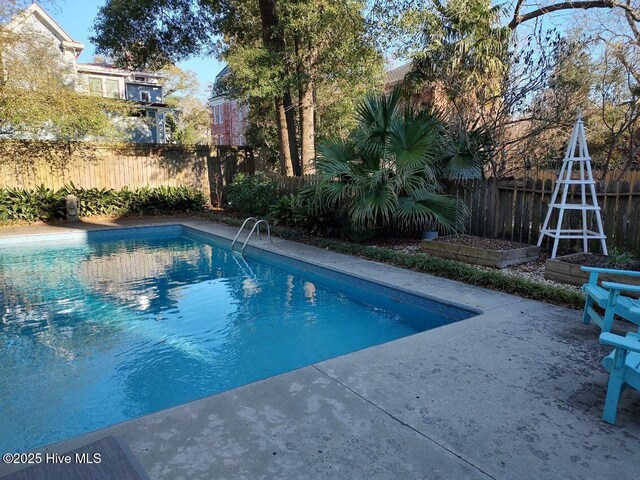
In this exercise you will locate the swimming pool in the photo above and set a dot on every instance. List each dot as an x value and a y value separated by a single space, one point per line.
101 327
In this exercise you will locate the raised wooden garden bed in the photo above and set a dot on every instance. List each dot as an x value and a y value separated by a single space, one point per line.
566 269
481 251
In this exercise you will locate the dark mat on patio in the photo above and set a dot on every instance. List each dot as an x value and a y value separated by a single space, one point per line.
116 463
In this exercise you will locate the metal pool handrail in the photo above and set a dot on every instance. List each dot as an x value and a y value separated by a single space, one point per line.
241 228
257 224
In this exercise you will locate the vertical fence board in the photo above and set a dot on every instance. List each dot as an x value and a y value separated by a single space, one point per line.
609 212
622 212
518 212
547 191
536 211
527 207
484 204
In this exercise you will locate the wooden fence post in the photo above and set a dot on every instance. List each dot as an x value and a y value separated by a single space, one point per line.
490 224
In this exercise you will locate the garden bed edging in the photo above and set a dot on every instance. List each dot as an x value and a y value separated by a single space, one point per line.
559 271
480 256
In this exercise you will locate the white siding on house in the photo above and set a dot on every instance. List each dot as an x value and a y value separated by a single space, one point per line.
35 33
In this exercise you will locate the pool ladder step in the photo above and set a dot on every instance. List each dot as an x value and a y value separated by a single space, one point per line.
256 225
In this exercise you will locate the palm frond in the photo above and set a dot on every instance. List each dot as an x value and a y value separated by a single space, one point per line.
373 205
332 194
414 143
334 157
376 114
462 154
428 208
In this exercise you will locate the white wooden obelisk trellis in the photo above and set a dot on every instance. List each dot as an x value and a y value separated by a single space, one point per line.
577 156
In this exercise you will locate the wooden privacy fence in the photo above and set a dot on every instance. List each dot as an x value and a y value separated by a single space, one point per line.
293 184
31 164
613 175
516 209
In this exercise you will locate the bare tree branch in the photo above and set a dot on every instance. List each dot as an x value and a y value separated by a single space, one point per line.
570 5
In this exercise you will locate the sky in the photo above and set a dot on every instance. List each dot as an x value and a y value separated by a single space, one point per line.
76 18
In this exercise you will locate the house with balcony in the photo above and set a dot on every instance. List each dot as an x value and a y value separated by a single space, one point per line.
144 89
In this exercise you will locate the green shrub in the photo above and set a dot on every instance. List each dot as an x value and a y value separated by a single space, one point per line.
288 211
621 259
295 210
46 204
251 195
30 205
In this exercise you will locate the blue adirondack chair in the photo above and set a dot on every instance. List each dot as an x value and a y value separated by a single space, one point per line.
624 365
609 296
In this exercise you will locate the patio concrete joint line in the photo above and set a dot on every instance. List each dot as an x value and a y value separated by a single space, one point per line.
515 302
404 424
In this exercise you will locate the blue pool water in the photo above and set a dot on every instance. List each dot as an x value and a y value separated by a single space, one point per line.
100 328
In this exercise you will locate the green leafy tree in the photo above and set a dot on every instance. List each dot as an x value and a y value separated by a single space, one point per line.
512 90
148 33
464 55
329 60
188 118
287 52
189 123
155 33
386 174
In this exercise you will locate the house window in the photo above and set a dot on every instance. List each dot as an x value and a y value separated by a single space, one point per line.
95 86
217 115
145 97
112 88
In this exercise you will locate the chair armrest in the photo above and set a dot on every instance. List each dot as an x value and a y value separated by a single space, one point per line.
621 287
635 310
632 345
628 273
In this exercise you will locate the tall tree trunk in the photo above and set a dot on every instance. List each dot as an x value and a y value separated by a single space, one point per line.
306 104
273 39
286 165
291 130
307 126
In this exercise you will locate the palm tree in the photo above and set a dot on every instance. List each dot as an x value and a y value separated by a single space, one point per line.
386 172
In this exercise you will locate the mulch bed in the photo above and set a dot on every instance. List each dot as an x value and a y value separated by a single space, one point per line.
595 260
481 242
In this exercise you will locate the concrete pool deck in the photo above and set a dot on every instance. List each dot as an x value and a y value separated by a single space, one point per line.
513 393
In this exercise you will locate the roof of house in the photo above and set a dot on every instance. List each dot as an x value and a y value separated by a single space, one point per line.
218 91
43 17
69 43
108 69
223 73
397 74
